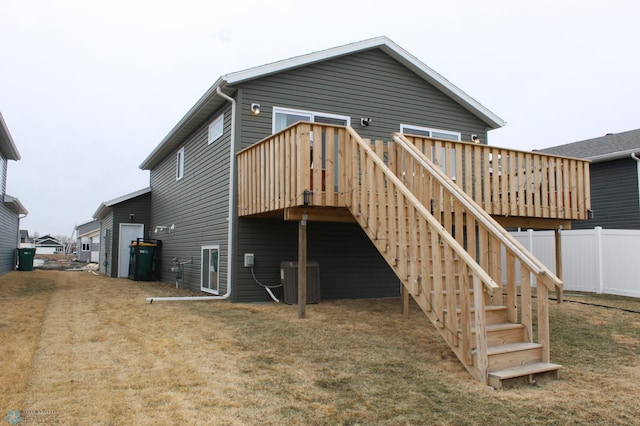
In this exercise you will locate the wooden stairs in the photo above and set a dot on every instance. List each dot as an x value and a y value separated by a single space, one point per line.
440 244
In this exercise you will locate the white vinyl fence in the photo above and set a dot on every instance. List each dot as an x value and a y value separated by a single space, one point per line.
594 260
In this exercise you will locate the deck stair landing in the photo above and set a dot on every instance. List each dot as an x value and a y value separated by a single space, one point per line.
441 243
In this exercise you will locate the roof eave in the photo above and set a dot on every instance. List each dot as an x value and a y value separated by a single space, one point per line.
185 125
15 205
7 145
614 155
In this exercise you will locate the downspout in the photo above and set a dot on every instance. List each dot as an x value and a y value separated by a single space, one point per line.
232 206
635 157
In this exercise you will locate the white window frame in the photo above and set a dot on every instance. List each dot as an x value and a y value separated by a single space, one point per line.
216 129
310 114
180 164
454 136
216 290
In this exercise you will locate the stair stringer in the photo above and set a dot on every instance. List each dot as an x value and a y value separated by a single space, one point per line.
402 229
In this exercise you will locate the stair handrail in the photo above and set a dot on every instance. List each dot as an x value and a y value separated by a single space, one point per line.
485 218
490 285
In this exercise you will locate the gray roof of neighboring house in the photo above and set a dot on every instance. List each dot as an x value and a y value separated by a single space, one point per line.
7 146
105 206
211 100
611 146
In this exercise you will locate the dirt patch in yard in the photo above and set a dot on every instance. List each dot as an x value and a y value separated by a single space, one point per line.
80 348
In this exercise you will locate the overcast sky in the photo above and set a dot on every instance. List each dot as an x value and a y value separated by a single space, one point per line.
89 88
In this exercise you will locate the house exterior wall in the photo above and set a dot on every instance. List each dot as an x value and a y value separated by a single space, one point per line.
9 236
9 224
197 205
614 196
106 245
368 84
138 206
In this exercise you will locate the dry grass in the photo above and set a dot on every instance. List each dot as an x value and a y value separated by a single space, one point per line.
91 350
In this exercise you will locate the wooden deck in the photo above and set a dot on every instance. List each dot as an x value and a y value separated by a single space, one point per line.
429 207
518 188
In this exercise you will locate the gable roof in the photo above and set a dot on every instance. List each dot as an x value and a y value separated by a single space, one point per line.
211 101
611 146
48 241
105 206
7 146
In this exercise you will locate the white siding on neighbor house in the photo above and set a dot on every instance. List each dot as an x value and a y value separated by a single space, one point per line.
594 260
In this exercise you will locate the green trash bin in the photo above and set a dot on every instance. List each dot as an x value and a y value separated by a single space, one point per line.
25 259
142 257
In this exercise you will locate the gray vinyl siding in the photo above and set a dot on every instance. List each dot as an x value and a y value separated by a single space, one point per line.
197 204
614 196
9 223
350 266
106 246
9 232
368 84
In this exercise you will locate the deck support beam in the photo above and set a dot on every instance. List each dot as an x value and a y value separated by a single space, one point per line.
558 239
302 267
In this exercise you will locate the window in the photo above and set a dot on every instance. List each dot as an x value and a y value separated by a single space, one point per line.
216 128
210 279
429 132
180 164
285 117
438 158
86 247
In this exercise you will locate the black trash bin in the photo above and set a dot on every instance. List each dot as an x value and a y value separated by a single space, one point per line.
25 259
143 257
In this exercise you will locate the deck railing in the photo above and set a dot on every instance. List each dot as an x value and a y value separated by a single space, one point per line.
509 182
482 237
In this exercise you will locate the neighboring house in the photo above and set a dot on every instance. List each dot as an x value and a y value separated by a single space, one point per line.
122 220
11 209
615 178
25 241
88 242
48 245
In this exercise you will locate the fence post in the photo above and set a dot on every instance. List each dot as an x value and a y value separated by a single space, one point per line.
599 262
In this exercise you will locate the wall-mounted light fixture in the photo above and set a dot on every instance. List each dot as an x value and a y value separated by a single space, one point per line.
306 197
475 139
163 228
132 216
255 109
365 121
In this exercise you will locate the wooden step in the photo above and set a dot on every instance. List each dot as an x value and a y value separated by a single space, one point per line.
503 333
496 377
513 355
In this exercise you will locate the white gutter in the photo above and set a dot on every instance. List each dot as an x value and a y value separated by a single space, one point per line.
232 184
635 157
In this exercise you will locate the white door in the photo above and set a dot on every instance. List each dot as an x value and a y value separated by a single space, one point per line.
128 232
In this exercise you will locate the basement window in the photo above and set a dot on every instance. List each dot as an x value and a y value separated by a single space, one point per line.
180 164
216 128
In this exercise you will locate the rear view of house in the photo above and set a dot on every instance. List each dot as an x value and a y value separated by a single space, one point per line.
11 209
369 163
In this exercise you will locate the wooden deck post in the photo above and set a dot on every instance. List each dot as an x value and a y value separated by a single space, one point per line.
302 267
558 237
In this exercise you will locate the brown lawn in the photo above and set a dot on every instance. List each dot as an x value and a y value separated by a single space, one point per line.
78 348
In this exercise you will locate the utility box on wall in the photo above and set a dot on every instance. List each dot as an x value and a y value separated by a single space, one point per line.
289 279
